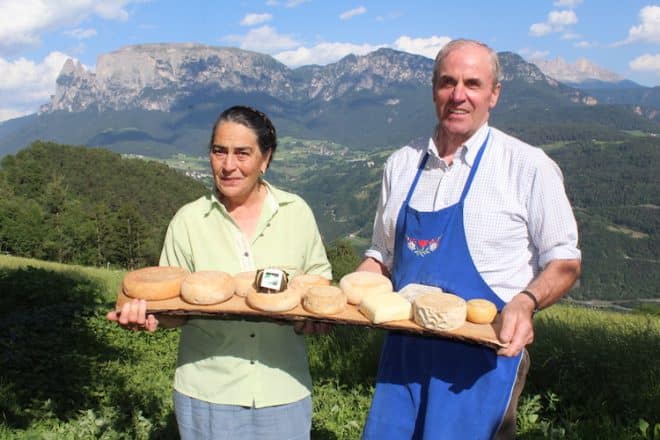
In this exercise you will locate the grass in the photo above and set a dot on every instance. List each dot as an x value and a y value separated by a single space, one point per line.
67 373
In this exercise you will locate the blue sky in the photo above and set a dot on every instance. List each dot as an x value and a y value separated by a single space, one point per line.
37 36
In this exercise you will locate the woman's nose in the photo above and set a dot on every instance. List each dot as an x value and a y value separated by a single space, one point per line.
230 162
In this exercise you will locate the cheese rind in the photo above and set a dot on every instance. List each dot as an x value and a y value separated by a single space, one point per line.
154 283
207 287
273 302
439 311
304 281
412 291
385 307
324 300
244 283
481 311
359 285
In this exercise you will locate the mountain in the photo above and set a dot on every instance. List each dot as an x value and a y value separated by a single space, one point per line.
603 86
160 99
579 72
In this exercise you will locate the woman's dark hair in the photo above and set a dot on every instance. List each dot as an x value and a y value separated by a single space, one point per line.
256 121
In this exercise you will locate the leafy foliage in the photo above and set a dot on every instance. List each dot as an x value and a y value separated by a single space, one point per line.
88 206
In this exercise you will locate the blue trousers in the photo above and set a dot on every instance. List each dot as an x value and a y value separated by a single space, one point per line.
199 420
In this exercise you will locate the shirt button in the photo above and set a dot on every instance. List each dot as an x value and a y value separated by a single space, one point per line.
251 362
246 254
252 335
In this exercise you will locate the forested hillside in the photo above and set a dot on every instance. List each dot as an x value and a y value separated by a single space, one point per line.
90 206
87 206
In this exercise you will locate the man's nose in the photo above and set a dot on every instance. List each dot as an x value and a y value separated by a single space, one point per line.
458 93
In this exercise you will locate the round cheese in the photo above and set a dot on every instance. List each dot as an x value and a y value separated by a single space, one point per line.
412 291
274 302
439 311
481 311
244 283
207 287
154 283
324 300
303 282
358 285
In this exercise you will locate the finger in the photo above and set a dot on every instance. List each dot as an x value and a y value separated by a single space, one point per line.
123 316
142 312
133 311
151 323
112 315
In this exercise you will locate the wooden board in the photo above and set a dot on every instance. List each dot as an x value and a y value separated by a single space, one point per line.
236 307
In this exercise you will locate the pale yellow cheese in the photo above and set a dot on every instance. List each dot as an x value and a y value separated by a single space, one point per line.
384 307
439 311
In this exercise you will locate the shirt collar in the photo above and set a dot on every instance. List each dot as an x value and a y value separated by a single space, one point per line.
466 152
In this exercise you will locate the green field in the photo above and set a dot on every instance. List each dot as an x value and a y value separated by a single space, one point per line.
67 373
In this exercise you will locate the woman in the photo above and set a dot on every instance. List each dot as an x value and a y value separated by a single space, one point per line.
239 379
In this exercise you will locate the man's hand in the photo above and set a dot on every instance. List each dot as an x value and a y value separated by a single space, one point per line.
517 328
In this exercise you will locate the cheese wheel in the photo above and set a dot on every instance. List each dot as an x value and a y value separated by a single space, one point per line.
439 311
384 307
481 311
274 302
244 283
207 287
358 285
412 291
154 283
303 282
324 300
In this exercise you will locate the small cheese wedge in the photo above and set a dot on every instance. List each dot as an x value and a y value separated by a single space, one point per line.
384 307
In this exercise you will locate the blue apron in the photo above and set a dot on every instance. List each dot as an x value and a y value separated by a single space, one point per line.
433 388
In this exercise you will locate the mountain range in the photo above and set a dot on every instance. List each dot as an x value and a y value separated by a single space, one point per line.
159 99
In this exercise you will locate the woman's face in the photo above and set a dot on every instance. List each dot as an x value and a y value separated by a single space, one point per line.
236 162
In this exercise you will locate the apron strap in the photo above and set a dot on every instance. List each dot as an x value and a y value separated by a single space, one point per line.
420 168
473 171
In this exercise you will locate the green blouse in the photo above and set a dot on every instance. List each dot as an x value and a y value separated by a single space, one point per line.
241 362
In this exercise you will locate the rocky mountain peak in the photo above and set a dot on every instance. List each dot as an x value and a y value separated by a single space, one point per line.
579 71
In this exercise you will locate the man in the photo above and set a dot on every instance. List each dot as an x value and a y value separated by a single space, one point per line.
503 229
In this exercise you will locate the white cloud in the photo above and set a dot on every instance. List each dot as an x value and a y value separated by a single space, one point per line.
323 53
22 22
254 19
649 28
81 34
26 85
567 3
540 29
557 21
427 47
264 39
647 62
347 15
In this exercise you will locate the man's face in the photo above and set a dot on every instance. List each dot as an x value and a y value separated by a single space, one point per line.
464 93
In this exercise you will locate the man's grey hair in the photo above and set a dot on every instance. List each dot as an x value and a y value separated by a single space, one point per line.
457 44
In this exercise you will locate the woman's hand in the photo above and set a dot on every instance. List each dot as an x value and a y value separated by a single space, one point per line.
133 316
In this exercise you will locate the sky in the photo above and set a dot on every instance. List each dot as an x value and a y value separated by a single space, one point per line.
37 36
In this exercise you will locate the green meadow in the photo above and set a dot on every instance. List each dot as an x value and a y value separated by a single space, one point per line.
67 373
